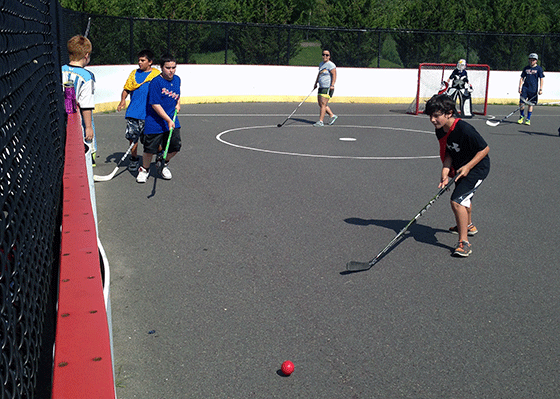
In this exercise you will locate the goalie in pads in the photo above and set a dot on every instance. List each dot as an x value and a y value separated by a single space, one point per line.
460 88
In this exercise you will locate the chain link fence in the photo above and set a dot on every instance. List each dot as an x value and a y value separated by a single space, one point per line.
117 40
31 165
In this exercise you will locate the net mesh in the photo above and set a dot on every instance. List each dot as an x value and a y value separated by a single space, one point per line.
31 161
431 76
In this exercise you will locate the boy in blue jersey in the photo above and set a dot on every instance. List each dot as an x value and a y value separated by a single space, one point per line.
530 86
137 87
164 94
74 73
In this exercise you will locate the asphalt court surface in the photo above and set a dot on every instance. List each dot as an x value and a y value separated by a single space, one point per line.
237 263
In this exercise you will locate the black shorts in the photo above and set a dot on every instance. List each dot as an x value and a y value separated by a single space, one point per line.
465 189
325 92
153 142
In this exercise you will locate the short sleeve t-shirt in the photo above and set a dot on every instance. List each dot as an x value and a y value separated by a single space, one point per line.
532 76
84 84
463 143
137 107
325 77
165 93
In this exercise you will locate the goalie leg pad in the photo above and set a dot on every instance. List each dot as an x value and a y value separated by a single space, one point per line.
466 104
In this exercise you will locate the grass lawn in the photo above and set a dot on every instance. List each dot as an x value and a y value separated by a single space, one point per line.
309 55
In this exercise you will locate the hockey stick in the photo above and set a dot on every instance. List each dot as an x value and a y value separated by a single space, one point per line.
535 104
282 124
112 174
168 142
494 124
354 266
87 28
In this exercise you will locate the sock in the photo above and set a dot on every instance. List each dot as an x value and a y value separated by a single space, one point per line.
529 115
522 112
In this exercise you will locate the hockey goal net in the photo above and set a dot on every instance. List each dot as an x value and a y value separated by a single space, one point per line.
430 77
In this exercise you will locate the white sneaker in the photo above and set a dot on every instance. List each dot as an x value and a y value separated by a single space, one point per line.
166 173
142 175
333 119
319 124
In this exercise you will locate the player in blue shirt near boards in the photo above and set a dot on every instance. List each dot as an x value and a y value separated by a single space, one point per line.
530 86
137 87
164 94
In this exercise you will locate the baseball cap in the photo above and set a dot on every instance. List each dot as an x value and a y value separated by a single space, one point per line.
534 56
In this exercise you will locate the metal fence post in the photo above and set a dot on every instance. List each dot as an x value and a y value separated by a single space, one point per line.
227 43
131 40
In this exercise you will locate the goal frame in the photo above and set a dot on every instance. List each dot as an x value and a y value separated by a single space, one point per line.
414 107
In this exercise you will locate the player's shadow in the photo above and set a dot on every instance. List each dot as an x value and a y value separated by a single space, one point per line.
112 160
306 121
421 233
538 133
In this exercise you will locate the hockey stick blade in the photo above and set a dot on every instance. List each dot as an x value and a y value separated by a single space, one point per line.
522 100
107 177
493 124
114 172
354 266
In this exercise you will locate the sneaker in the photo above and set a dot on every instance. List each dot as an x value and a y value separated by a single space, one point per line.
333 119
528 122
471 230
133 165
166 173
142 175
520 120
93 159
463 248
319 124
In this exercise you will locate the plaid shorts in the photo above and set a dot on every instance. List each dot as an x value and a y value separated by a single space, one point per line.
134 129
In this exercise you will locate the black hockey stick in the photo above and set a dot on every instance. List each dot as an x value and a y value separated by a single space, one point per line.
354 266
299 105
496 123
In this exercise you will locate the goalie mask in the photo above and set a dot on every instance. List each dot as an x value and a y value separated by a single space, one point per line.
461 65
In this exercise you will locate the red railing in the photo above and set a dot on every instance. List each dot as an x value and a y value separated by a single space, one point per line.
83 367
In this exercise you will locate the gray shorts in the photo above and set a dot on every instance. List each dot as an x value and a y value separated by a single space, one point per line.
134 129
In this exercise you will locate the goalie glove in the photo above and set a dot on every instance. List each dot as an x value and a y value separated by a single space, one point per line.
443 88
470 88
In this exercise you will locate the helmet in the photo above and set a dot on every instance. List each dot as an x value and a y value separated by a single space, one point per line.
461 65
533 56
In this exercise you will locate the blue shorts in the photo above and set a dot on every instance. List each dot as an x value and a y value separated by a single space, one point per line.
154 143
529 95
464 190
134 129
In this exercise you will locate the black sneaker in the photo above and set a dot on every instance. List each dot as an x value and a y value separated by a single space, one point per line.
133 165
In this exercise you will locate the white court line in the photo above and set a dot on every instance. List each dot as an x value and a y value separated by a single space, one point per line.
222 140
